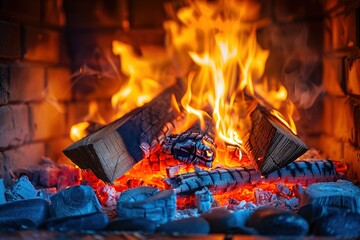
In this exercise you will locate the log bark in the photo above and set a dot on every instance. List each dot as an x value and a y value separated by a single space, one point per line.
333 195
114 149
147 202
270 145
226 179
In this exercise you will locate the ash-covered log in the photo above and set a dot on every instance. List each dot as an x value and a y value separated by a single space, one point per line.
269 144
217 180
225 179
114 149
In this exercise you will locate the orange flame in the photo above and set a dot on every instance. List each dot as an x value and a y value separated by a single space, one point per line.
79 130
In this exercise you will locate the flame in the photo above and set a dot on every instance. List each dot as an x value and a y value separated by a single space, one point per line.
79 130
144 73
229 67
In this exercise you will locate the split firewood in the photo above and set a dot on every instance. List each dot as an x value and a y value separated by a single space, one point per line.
225 179
147 202
74 201
114 149
270 145
333 195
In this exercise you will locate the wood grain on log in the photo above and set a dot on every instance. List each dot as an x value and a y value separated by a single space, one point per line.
269 144
341 195
225 179
147 202
114 149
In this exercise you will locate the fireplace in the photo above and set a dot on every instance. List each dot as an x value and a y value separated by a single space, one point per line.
58 69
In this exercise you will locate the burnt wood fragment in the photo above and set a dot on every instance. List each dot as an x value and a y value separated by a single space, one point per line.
270 145
21 190
114 149
276 222
36 210
191 147
344 225
341 195
74 201
220 220
147 202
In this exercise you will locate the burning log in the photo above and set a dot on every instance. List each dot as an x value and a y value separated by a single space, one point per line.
305 172
216 180
114 149
223 180
147 202
269 144
191 147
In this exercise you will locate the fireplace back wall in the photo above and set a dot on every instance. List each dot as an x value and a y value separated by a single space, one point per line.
43 43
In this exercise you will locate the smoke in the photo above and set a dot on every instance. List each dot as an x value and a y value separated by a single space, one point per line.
301 71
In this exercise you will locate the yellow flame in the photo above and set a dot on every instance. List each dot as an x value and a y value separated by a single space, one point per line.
79 130
230 66
143 73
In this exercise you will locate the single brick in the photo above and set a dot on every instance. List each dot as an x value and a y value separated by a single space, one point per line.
333 75
25 11
340 31
355 110
14 127
59 83
25 156
352 158
9 40
47 120
4 84
352 67
42 45
343 117
27 82
53 13
327 115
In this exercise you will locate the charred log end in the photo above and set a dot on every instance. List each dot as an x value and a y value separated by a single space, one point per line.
269 144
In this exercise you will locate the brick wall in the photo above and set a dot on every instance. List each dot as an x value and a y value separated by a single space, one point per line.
339 136
34 68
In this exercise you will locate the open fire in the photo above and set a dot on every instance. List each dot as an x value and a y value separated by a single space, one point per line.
198 132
